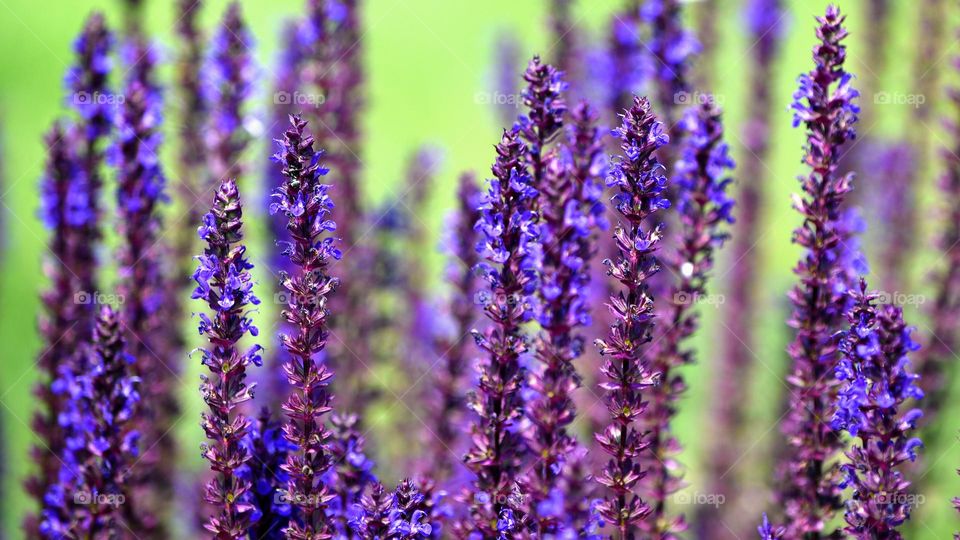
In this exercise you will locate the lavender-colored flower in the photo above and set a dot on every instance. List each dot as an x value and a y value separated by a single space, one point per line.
896 206
373 521
303 199
352 471
229 83
571 215
140 193
825 105
935 361
673 49
448 382
629 66
508 246
270 450
108 396
412 514
192 118
705 213
875 385
543 96
67 210
225 285
765 20
768 531
638 178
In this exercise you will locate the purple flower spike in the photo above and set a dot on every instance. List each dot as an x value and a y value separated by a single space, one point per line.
229 85
875 385
352 471
825 105
108 394
629 65
674 49
270 450
449 383
768 531
571 215
225 285
303 199
640 186
508 246
66 209
543 96
705 214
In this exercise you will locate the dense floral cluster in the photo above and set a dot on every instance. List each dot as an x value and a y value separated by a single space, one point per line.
522 432
639 181
225 285
810 492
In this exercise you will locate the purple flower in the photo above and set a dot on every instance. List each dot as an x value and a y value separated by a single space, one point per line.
705 213
768 531
449 384
303 199
571 214
640 185
227 87
352 470
543 97
824 104
629 65
673 49
225 285
509 246
108 397
875 384
269 449
66 209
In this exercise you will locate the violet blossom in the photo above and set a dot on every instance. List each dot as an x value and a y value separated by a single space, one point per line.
674 49
509 247
304 200
640 186
809 491
269 449
876 383
352 470
224 283
705 210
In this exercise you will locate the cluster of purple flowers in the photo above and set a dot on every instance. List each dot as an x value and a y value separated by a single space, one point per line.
504 458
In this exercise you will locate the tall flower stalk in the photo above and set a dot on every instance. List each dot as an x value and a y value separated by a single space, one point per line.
765 20
673 48
640 186
108 395
809 491
508 248
875 386
66 209
230 83
571 213
303 199
140 193
628 65
449 382
705 211
225 285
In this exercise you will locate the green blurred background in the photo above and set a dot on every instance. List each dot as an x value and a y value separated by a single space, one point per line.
426 62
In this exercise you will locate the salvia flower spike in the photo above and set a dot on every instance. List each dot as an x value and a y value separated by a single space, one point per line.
543 96
108 394
824 104
705 211
639 181
508 246
674 49
304 200
571 214
229 83
225 285
876 383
